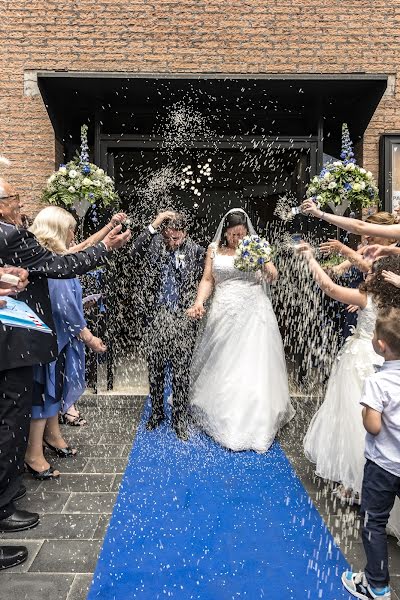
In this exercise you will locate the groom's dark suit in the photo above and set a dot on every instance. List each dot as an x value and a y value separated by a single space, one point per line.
171 280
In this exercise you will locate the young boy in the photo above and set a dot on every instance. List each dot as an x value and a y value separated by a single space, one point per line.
381 483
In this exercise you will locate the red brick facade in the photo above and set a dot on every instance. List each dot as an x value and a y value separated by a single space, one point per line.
184 36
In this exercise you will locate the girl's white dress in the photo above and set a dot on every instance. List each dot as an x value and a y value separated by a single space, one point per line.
335 439
239 387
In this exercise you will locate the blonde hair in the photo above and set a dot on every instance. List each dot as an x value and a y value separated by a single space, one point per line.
382 218
51 226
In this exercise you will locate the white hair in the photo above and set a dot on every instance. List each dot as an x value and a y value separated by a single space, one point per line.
3 192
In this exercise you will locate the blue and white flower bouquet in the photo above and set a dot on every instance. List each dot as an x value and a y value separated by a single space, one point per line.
79 183
252 253
342 183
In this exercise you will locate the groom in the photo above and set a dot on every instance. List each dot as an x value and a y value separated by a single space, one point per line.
174 265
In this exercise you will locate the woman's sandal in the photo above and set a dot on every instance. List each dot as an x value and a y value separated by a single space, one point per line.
42 475
73 420
61 452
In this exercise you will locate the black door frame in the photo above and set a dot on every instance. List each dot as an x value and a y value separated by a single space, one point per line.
106 143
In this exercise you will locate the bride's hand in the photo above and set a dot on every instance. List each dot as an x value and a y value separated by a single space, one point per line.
197 311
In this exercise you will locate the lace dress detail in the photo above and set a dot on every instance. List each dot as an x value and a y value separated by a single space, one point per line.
336 437
239 389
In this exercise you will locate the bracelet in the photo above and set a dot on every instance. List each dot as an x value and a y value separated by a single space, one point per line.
109 227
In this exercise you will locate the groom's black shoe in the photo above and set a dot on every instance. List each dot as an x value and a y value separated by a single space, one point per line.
154 421
181 431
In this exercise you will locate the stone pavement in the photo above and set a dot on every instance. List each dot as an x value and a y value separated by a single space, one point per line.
75 510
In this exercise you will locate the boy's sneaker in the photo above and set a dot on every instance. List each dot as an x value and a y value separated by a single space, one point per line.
358 586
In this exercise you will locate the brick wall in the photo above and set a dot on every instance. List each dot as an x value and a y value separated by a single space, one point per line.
169 36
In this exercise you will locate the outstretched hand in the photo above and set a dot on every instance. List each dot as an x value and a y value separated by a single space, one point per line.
392 278
115 239
197 311
308 207
117 219
304 249
331 246
377 251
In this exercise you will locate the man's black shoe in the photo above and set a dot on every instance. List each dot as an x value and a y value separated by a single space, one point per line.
20 494
11 556
18 521
154 422
181 431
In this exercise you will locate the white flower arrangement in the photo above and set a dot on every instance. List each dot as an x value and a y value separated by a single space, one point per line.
342 182
252 253
80 180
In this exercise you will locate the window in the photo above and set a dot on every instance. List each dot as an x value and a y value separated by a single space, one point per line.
390 172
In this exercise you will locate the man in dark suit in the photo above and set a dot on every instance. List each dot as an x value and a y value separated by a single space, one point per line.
21 349
173 265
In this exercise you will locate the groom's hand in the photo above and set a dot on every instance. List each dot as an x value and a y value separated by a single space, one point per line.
161 217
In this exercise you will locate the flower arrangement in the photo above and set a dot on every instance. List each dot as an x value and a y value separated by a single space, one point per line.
80 181
252 253
342 182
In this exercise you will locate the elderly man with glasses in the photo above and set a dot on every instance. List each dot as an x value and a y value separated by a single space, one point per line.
21 349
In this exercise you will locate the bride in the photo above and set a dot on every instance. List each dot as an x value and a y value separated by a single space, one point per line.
239 388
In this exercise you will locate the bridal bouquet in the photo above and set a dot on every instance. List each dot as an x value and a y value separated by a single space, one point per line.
342 182
252 253
80 183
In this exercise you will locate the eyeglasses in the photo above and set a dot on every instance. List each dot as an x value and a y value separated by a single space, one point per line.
10 196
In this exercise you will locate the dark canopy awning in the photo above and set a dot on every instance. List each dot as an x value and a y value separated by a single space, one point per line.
270 105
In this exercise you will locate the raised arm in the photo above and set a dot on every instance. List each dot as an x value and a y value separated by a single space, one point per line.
331 289
22 249
142 243
352 225
99 235
355 257
205 289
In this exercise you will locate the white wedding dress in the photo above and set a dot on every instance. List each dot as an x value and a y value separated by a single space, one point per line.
239 387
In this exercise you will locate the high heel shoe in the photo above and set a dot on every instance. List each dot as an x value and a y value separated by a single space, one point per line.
42 475
61 452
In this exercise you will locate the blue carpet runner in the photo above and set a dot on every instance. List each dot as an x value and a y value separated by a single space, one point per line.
196 522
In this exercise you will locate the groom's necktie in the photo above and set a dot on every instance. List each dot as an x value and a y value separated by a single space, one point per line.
169 293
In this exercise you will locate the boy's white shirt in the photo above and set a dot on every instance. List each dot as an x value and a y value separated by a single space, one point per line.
381 392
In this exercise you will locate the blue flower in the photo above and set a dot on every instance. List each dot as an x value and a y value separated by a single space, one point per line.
91 195
85 169
246 242
245 253
261 261
347 186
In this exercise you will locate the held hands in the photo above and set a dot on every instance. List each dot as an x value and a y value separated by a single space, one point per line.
161 217
197 311
115 239
392 278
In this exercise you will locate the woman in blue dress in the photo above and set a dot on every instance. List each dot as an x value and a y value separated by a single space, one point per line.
61 382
